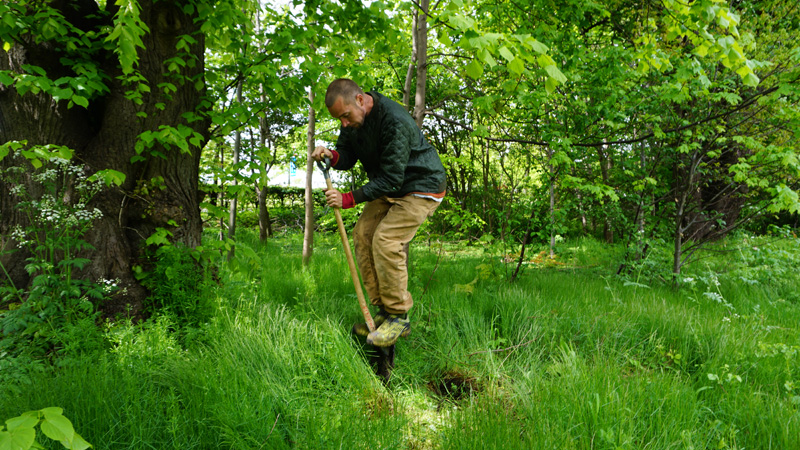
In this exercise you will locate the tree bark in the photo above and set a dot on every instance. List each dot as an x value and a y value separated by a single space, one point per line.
421 32
605 166
308 235
234 202
104 135
411 64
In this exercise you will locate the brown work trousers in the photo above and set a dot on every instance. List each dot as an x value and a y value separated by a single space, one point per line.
380 237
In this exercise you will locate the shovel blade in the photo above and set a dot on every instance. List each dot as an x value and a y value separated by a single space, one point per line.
383 362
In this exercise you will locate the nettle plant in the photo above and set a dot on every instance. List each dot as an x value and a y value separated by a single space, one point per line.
57 220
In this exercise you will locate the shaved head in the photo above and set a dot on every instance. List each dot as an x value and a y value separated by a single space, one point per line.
343 87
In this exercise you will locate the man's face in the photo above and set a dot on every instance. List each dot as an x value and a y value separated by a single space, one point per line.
351 114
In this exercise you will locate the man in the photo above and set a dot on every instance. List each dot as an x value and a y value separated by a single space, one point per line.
406 185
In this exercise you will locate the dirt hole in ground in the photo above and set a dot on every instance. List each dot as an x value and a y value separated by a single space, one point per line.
454 386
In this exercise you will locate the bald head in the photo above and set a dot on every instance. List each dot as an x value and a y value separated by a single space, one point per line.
343 87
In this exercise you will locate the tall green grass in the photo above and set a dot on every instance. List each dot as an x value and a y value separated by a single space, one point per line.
569 356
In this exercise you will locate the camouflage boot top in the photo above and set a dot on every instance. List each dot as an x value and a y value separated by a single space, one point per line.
395 326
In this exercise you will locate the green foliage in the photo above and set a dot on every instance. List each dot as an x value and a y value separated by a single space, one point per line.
76 45
561 358
127 34
179 285
19 432
57 221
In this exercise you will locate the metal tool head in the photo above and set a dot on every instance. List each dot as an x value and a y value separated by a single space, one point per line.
325 166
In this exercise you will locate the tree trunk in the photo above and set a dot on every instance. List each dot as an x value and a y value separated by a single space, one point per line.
264 225
237 148
264 222
552 214
421 32
220 155
605 166
411 64
552 193
104 135
308 235
684 185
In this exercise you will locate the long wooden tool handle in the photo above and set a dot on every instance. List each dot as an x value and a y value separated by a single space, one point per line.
350 262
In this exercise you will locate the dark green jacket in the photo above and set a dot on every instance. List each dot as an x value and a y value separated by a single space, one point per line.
393 151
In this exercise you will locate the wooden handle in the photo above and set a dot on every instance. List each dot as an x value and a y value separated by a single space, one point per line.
362 302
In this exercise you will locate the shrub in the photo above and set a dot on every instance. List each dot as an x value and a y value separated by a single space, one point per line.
179 285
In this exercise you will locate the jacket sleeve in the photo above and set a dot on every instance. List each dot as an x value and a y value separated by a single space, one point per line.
396 141
347 158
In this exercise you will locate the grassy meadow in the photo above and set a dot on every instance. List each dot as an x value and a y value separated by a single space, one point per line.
569 356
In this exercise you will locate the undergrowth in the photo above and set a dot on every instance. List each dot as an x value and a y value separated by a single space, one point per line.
568 356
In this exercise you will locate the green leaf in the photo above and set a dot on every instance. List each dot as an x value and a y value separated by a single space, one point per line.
57 427
545 60
474 69
537 46
64 152
80 100
159 237
751 80
486 56
461 22
517 66
27 420
5 78
76 443
528 41
20 438
109 176
550 85
553 71
506 53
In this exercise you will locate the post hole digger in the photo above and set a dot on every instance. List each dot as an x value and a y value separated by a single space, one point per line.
383 359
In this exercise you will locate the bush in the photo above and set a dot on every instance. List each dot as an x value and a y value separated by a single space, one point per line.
179 285
38 315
